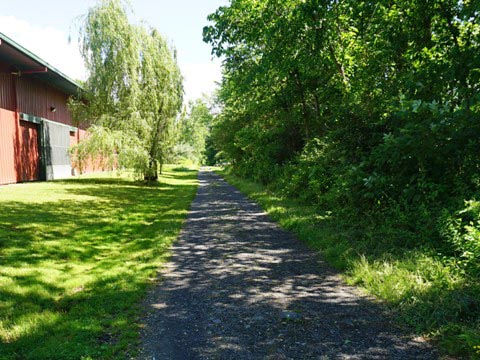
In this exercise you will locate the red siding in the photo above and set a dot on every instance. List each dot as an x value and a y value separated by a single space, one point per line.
19 146
8 143
5 68
90 166
32 96
28 155
73 138
19 149
36 98
7 93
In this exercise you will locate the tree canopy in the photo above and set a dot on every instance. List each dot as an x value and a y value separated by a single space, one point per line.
371 107
384 94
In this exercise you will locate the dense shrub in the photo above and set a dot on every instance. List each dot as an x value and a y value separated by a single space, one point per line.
461 231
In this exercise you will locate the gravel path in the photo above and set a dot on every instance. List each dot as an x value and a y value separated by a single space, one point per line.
240 287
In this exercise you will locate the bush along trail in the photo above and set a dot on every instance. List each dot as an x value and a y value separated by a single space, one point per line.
239 287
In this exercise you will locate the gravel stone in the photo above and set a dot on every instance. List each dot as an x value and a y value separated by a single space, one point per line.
290 315
239 287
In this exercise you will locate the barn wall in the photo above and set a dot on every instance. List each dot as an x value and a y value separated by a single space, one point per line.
36 98
27 155
5 68
23 142
19 149
7 93
9 141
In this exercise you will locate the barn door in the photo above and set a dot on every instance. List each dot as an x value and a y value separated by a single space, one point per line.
28 159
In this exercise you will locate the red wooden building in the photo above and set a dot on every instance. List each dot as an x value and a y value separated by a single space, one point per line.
36 128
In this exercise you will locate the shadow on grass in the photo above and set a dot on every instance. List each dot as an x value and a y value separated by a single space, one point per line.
73 269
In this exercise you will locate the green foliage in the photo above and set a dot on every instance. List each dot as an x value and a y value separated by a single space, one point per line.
109 148
368 110
76 259
212 155
388 88
184 152
194 130
134 87
309 171
462 232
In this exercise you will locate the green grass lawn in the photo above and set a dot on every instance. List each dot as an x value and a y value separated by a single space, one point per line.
429 295
76 257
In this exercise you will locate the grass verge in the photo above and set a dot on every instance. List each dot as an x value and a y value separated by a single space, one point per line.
76 257
430 295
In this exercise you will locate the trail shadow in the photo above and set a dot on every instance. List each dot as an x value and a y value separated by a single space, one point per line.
239 287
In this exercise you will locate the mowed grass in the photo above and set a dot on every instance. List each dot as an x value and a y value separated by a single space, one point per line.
76 257
427 294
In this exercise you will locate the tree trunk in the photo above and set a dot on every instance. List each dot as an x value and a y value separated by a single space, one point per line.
152 172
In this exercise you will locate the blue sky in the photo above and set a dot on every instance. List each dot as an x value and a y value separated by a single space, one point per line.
44 28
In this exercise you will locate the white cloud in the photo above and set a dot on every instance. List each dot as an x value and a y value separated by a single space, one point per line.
52 45
48 43
200 79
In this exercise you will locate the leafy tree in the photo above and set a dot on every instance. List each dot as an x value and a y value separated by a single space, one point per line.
134 87
385 86
194 129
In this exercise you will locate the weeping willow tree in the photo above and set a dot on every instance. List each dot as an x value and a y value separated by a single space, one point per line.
134 90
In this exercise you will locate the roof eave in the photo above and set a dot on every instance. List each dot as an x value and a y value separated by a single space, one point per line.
41 62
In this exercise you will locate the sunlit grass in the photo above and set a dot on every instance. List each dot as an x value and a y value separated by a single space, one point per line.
76 257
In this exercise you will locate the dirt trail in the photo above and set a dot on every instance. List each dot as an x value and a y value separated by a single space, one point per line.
239 287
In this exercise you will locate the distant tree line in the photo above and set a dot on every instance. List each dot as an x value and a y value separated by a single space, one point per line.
193 139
